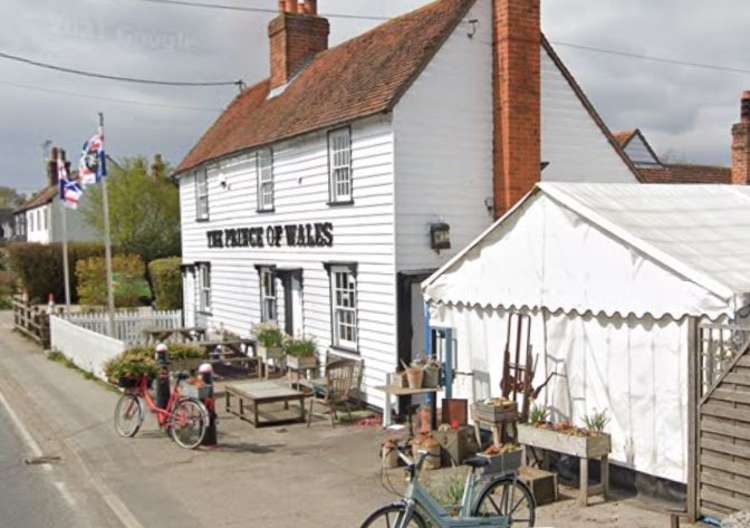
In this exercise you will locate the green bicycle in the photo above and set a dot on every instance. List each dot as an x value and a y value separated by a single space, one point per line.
503 501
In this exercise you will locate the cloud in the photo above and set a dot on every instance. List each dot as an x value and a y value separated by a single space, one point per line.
686 110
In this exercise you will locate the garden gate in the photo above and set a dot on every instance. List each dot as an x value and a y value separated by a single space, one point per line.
719 420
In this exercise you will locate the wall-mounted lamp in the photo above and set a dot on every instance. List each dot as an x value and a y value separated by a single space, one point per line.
440 236
224 183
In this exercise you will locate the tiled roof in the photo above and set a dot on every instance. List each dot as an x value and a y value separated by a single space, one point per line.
624 137
685 173
361 77
43 197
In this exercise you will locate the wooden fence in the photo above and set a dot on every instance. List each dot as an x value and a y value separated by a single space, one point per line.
32 321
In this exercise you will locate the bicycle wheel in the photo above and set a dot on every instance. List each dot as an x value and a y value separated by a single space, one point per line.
188 423
128 415
391 516
507 497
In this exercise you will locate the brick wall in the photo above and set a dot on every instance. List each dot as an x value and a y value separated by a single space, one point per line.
517 100
741 144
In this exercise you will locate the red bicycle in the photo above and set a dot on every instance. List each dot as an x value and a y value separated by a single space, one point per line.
184 419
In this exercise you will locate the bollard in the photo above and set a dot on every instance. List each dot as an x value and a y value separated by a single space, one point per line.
163 390
207 376
50 303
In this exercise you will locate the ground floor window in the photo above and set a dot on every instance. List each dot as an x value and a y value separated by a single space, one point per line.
269 310
343 283
204 286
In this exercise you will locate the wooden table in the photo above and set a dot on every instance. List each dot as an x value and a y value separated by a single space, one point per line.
585 447
257 393
395 390
186 334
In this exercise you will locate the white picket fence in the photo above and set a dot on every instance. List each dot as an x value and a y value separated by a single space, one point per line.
129 325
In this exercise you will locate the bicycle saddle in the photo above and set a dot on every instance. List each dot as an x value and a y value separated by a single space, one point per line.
182 376
477 462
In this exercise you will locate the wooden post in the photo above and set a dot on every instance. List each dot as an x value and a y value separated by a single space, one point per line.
693 397
604 473
583 492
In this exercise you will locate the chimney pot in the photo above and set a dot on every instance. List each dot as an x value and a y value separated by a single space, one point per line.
291 6
311 7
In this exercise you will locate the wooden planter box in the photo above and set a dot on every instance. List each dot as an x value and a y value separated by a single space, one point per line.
299 363
580 446
493 413
270 353
502 463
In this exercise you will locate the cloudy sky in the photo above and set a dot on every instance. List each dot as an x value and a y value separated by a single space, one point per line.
685 111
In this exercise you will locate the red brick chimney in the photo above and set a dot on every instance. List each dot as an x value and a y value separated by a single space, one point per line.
517 100
296 35
741 144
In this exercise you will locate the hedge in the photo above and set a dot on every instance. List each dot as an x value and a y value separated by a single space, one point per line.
166 280
39 267
128 273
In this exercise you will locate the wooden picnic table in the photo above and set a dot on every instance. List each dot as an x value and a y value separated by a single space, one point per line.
186 334
257 393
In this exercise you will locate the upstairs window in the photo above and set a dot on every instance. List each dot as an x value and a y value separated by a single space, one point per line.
201 195
204 286
268 299
265 180
340 165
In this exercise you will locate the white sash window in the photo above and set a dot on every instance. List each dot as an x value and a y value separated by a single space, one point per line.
340 165
268 298
264 163
201 195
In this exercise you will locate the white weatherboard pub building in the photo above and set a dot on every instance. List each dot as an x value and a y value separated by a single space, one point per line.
312 199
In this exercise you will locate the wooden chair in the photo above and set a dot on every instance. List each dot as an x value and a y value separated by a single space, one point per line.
336 387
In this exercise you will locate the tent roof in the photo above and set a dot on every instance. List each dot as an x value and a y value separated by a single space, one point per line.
700 232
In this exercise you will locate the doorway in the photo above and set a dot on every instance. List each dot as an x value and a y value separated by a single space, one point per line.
291 280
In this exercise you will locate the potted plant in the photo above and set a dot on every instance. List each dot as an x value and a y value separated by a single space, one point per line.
127 369
270 341
300 352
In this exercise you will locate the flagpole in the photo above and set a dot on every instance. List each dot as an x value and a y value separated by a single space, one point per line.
107 244
66 265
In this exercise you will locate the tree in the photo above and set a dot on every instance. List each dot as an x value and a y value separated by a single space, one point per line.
144 209
10 199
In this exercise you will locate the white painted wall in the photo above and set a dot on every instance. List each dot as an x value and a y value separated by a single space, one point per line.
363 233
572 143
38 224
443 134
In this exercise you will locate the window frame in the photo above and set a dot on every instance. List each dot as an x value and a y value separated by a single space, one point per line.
262 207
203 272
333 197
201 193
349 287
266 272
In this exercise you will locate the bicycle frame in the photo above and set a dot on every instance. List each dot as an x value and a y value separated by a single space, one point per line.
417 495
162 415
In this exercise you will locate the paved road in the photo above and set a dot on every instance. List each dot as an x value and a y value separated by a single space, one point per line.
29 497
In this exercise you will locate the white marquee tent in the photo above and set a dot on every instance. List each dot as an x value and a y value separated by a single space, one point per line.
609 273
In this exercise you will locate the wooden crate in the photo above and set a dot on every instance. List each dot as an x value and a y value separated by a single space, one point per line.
456 445
580 446
543 484
493 413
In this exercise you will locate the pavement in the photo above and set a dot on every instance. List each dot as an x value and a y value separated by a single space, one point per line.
275 477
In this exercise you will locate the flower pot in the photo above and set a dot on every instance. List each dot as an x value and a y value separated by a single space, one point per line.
414 376
298 363
432 446
398 379
431 376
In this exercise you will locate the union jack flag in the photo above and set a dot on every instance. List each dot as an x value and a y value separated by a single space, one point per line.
93 166
70 191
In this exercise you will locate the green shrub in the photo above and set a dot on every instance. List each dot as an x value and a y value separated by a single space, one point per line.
131 364
39 267
140 361
166 279
302 347
268 335
130 286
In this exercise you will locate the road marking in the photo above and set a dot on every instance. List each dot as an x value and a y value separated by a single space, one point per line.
123 514
63 489
32 444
